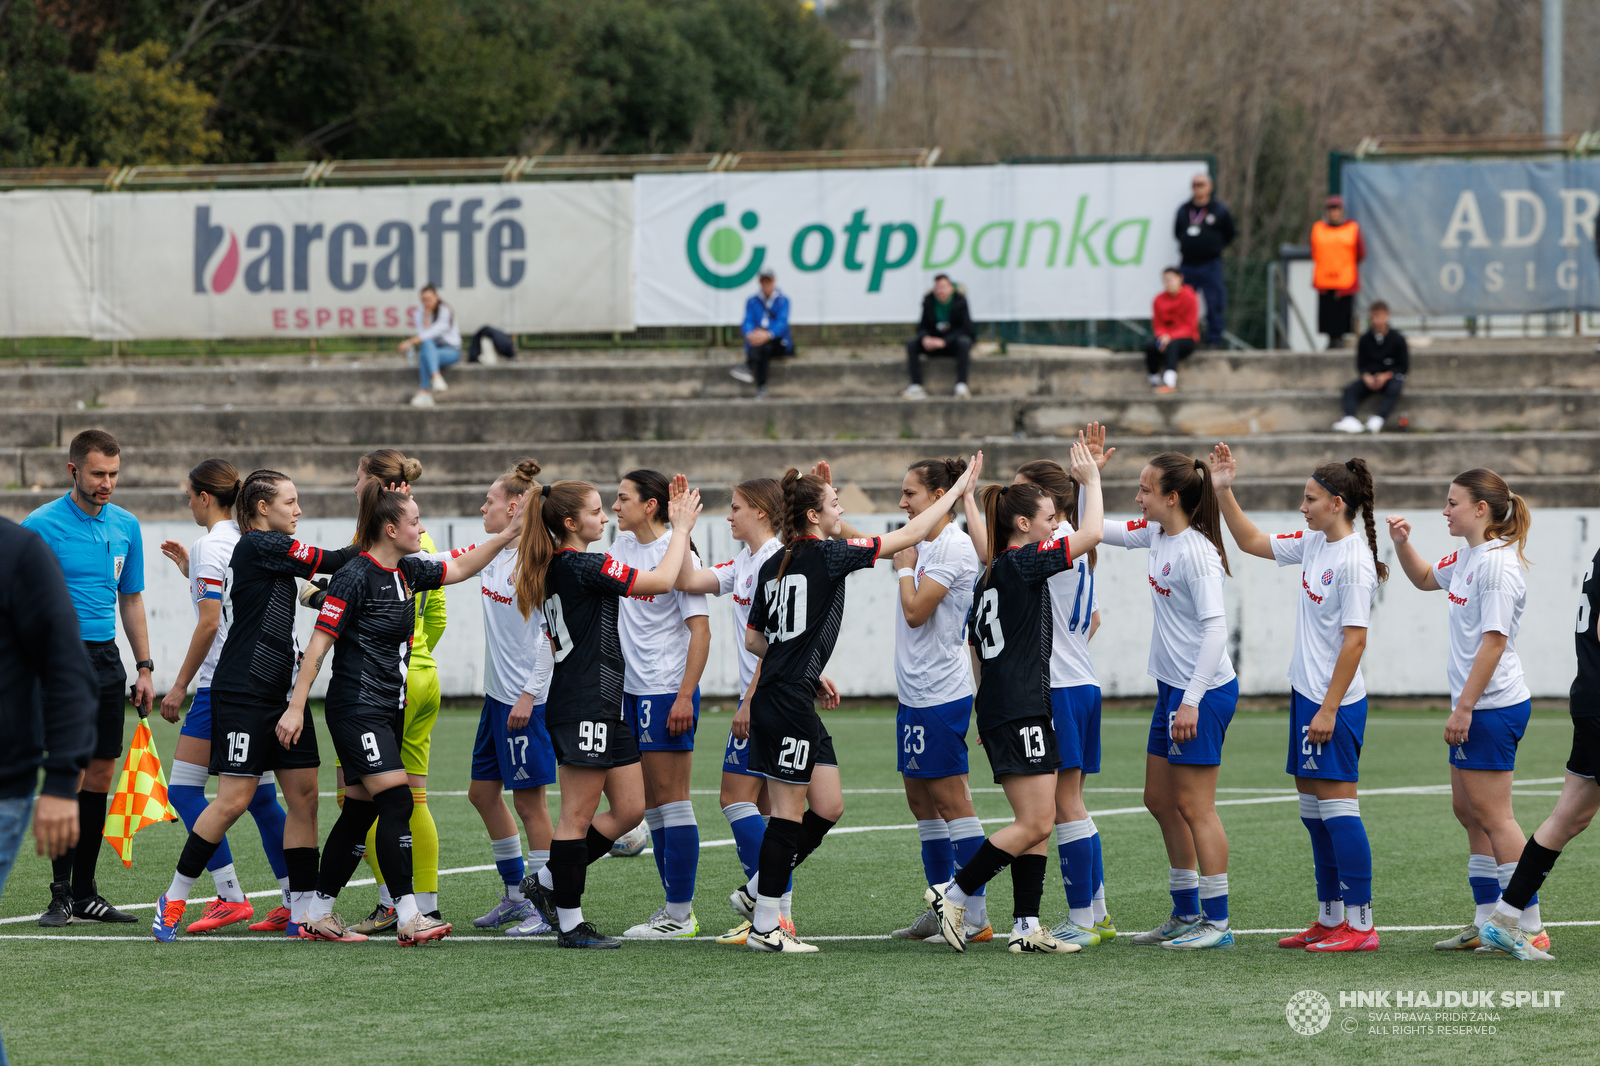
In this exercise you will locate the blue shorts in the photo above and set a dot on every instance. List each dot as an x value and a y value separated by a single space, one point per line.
647 717
932 741
1337 759
1076 712
1216 711
520 758
736 757
1492 739
197 723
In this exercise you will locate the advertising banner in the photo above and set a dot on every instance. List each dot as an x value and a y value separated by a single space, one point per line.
1027 242
1474 238
527 258
45 277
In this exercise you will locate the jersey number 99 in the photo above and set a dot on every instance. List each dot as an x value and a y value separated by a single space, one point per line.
592 736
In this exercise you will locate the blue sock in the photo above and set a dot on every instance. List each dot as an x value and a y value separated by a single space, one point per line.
187 793
938 857
748 828
1099 877
1342 819
658 841
681 840
1483 879
1324 860
1184 886
966 837
1073 842
269 816
1213 897
508 861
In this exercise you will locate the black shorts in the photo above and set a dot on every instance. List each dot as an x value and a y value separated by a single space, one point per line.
1585 758
112 709
601 743
787 737
1023 746
367 740
244 739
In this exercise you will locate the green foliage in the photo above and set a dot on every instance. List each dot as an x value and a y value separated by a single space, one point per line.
143 111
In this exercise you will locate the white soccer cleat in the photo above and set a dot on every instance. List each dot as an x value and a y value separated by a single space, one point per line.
1170 929
1501 936
926 925
1347 424
952 916
1204 935
743 903
1039 942
1467 938
779 940
972 934
1068 933
663 926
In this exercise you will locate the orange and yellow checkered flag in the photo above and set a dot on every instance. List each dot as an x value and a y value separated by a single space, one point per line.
141 796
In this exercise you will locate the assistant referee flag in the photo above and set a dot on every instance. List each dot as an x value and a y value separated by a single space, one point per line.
141 796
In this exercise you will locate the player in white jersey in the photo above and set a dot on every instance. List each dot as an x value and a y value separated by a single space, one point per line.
666 639
211 488
752 516
1339 577
1197 691
933 675
1490 702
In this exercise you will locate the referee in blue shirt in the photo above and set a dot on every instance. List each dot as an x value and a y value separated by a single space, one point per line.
102 557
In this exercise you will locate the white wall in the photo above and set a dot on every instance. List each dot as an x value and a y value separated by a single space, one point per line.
1405 656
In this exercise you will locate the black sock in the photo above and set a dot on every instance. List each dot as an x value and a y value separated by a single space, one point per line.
197 851
302 866
1027 885
569 868
982 868
61 869
1532 869
813 827
780 850
394 838
346 845
597 844
91 824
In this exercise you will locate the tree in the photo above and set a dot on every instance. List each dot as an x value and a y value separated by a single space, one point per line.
145 112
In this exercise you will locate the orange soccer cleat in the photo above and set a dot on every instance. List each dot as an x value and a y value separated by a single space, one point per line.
220 912
276 921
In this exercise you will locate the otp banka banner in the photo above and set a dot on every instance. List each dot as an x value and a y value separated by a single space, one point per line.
1027 242
1478 238
317 262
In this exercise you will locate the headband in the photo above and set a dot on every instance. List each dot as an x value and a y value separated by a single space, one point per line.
1331 490
545 491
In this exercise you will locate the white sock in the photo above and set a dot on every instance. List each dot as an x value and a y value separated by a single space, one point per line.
318 906
933 829
427 902
283 883
953 893
978 911
538 860
1482 866
1330 912
1360 917
753 888
385 897
1481 912
654 818
546 881
227 882
766 918
679 912
406 908
299 903
180 887
569 919
1082 917
1212 886
1024 926
1500 908
1097 908
786 905
1528 921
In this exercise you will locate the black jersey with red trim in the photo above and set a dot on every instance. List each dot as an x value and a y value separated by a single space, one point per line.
582 590
1011 627
259 657
1585 699
371 614
800 612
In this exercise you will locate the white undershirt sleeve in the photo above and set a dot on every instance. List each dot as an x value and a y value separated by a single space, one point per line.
1213 642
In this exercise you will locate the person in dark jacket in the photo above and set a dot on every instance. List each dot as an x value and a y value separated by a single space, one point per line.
48 698
1204 227
945 329
1382 359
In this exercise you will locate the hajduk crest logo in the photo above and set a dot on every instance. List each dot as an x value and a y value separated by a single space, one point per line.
1166 571
1327 577
1469 579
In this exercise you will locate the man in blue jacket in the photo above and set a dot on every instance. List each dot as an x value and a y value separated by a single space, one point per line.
766 333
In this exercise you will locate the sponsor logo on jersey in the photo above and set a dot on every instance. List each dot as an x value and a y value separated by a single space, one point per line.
1327 577
1314 597
1448 560
719 566
1050 545
1158 588
1137 523
863 542
743 601
1310 764
1296 535
498 598
616 568
332 611
1459 601
304 552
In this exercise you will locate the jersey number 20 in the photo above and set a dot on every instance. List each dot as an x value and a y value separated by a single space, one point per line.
786 607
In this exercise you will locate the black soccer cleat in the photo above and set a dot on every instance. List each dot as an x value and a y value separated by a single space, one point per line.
542 900
59 912
585 935
96 909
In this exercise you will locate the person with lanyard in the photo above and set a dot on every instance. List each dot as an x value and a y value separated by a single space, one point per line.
101 552
766 333
1204 228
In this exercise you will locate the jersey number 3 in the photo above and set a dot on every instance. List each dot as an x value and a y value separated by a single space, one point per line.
991 641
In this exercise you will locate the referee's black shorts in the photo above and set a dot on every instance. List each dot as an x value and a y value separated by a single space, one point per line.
113 706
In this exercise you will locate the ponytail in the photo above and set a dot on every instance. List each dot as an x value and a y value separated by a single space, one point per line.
1191 480
1003 505
1508 515
544 527
1352 483
939 474
1062 487
378 507
218 479
801 494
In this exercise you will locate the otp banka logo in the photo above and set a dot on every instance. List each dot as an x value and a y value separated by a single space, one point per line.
275 258
725 248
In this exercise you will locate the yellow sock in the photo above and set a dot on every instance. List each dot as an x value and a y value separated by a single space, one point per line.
424 844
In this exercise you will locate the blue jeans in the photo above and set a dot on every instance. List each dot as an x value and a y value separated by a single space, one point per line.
13 823
432 357
1206 279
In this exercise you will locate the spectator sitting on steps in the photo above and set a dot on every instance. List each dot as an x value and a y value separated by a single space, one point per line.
945 329
1382 359
438 344
766 333
1174 328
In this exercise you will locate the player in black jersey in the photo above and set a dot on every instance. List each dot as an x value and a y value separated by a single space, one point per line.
1011 628
249 689
793 624
1580 794
369 615
596 752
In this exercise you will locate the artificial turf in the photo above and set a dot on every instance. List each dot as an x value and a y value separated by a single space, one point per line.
484 998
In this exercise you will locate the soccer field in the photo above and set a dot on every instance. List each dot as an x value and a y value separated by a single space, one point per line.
92 993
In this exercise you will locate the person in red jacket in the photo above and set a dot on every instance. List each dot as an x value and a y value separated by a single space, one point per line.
1174 329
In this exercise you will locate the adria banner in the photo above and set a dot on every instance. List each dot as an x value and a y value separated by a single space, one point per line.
1027 242
527 258
1478 238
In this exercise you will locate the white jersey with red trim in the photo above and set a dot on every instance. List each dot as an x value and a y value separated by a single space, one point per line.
1185 575
208 570
1073 602
1488 591
654 629
516 650
1338 582
738 576
931 666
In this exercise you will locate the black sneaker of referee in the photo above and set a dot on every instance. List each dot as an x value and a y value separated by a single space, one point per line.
96 909
59 912
585 935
